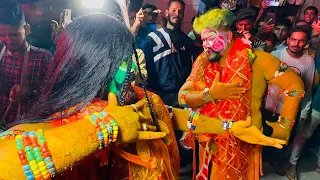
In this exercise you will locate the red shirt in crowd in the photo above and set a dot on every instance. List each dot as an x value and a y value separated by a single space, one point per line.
10 74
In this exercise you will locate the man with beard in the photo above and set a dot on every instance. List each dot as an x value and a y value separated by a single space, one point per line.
167 51
22 67
304 65
301 63
224 156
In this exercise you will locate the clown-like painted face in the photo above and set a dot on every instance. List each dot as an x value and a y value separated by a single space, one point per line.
214 42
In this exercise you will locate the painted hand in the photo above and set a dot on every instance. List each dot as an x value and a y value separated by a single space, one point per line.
132 125
279 132
250 134
221 91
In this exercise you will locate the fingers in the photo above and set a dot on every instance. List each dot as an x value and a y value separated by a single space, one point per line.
142 117
217 78
269 21
245 123
146 127
148 135
140 15
267 141
140 12
234 91
112 99
157 11
14 93
270 143
140 104
279 141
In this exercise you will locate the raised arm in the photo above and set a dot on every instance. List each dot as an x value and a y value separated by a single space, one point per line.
284 77
70 143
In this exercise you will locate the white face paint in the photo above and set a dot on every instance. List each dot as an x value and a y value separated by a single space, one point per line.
213 42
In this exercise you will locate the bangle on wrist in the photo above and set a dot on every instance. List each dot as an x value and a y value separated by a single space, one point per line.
207 96
227 124
285 123
183 98
193 119
34 155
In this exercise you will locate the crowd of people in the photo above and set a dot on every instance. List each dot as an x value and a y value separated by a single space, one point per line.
229 59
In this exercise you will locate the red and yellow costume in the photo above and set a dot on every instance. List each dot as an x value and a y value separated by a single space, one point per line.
231 157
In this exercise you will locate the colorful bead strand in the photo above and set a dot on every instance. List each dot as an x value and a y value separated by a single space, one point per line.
285 123
295 93
30 156
183 98
45 154
23 158
10 134
115 129
195 120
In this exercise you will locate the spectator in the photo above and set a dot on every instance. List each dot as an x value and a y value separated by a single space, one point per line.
281 30
307 128
23 66
267 18
270 40
303 65
40 34
145 22
262 11
313 45
245 19
256 5
292 7
206 5
301 23
168 55
310 14
228 4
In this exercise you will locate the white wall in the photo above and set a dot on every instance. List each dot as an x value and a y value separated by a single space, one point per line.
190 11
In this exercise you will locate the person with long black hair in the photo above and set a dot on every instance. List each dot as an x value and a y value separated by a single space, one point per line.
87 67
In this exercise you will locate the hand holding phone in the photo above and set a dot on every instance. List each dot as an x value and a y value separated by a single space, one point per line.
272 2
65 17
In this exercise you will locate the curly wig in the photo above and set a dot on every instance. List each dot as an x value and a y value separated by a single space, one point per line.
215 18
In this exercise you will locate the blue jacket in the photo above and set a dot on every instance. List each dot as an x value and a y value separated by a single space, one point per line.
142 34
168 60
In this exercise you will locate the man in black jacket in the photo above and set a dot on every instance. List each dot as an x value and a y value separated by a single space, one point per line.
168 55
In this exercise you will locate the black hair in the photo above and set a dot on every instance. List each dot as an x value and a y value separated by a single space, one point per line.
194 17
313 8
149 6
284 22
299 21
268 36
246 13
89 52
11 14
144 86
303 28
179 1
